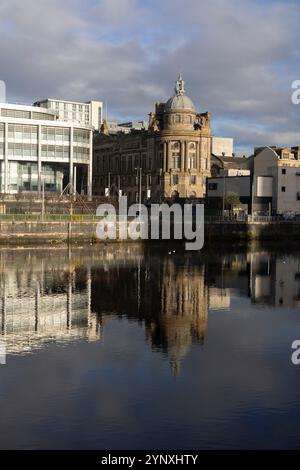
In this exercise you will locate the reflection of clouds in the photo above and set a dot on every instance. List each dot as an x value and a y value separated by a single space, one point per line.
240 390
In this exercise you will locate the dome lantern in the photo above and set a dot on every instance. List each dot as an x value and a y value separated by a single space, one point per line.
180 100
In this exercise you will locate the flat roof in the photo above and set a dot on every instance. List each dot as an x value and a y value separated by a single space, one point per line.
23 107
67 101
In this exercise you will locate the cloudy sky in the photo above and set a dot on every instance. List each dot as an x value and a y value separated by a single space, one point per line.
238 58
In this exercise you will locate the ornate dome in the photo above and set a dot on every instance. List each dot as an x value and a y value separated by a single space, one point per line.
180 100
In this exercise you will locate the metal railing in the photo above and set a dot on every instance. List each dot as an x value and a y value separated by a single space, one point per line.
251 219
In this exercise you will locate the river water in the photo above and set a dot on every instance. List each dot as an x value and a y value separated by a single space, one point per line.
126 347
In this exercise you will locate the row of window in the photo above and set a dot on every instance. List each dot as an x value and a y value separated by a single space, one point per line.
70 106
81 135
21 114
56 133
22 150
129 163
107 163
60 151
48 151
55 151
22 132
176 179
176 162
180 119
24 177
126 181
81 153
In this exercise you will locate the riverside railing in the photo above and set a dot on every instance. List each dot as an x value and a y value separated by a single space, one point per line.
251 219
49 217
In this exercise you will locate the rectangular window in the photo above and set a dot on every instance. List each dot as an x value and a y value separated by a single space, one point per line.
283 189
283 171
213 186
175 179
193 179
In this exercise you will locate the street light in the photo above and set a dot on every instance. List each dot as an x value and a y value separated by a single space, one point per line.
43 196
139 176
224 180
107 190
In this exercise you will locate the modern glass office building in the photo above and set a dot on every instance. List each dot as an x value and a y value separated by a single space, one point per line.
38 150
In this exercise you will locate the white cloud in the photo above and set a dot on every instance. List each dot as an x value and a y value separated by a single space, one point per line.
238 58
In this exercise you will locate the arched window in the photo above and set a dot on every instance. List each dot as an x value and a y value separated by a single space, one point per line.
177 118
176 157
192 155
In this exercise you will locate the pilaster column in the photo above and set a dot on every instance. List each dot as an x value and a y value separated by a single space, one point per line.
90 168
39 156
168 156
186 163
197 156
182 155
165 156
199 165
71 156
5 161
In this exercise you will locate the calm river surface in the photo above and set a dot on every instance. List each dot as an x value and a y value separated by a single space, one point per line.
122 347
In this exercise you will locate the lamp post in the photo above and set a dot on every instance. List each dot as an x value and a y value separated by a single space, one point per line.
139 176
223 206
119 186
108 185
43 197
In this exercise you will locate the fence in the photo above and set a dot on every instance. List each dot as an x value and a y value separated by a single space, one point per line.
247 219
48 217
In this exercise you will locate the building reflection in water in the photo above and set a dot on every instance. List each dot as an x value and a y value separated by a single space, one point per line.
227 277
62 296
183 311
266 278
166 294
44 299
275 280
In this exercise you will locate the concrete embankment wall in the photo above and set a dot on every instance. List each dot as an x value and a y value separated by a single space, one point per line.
64 231
50 232
277 231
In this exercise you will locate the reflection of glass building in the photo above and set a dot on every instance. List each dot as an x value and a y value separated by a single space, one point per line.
42 304
37 149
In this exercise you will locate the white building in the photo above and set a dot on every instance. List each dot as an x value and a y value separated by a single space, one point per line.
276 180
37 149
222 146
88 114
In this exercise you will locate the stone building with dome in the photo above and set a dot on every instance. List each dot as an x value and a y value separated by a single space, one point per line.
168 160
